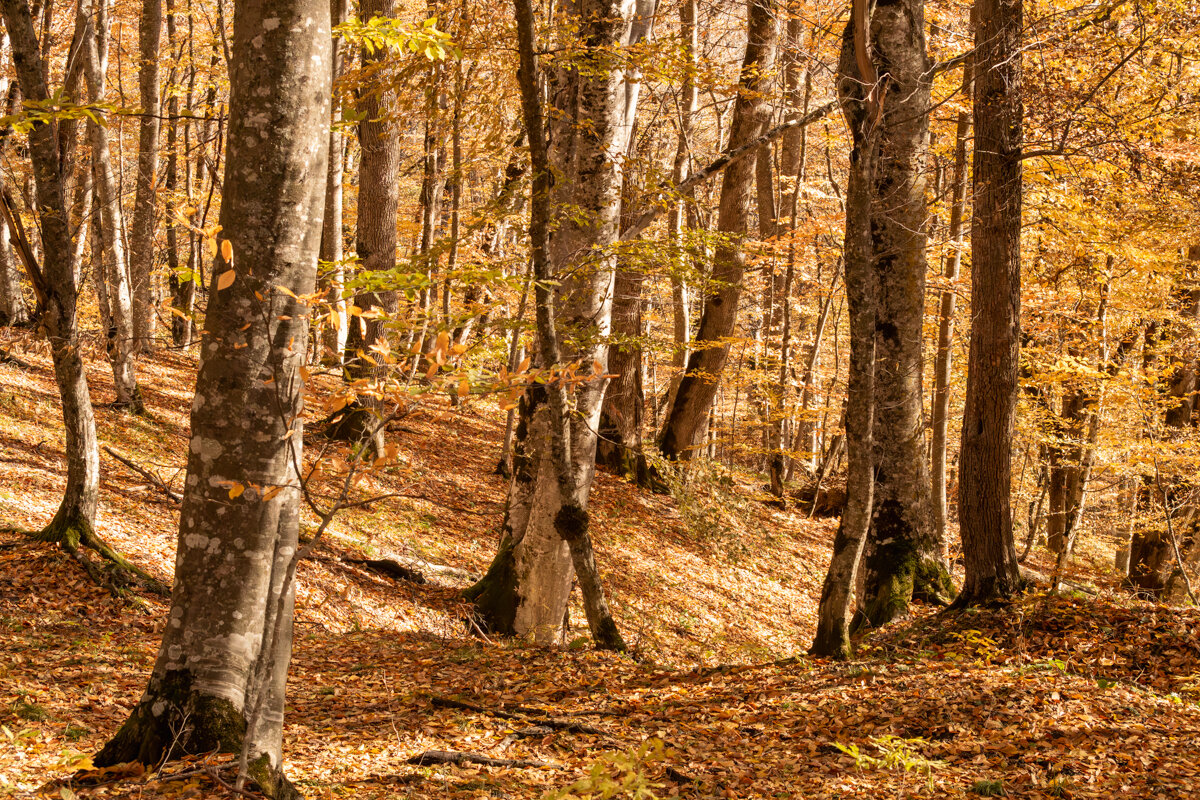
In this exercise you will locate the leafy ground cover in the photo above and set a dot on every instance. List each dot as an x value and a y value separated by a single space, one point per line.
1085 697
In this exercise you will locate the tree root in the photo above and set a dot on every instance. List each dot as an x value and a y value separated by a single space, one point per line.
115 573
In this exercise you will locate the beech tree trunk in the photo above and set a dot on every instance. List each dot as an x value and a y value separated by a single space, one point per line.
856 79
903 558
56 285
681 322
546 526
985 462
141 238
688 414
246 432
121 339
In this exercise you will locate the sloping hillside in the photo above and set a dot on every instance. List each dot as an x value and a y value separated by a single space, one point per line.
1051 697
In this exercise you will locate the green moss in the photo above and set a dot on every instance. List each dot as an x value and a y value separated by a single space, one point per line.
494 597
187 722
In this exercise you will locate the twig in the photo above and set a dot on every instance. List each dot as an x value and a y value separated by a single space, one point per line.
156 481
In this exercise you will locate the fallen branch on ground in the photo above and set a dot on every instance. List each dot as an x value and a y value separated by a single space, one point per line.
431 757
543 718
155 481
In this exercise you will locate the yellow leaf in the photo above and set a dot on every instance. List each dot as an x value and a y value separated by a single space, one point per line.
236 490
458 349
443 342
225 279
597 367
227 251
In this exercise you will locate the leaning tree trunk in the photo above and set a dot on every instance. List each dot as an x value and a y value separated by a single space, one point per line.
546 528
856 79
239 523
903 557
121 340
141 235
985 462
694 397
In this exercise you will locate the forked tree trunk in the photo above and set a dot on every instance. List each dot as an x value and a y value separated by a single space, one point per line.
57 287
694 398
246 429
903 558
121 342
856 77
141 235
546 528
985 463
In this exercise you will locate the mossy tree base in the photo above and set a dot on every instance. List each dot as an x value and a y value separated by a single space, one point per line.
73 531
494 597
172 721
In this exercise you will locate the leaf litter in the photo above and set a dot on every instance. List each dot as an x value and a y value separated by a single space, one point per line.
1047 697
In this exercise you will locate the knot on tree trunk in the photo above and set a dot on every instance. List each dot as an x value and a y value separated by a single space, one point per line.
571 522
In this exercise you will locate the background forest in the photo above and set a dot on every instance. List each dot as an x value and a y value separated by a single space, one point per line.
843 355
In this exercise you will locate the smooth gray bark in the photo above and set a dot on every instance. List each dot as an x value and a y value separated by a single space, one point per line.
546 526
857 91
121 341
56 284
234 548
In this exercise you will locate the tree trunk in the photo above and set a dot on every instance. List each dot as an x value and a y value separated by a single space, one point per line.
943 359
985 462
546 528
239 522
378 202
183 287
141 240
122 341
681 323
694 397
903 557
57 288
334 271
856 79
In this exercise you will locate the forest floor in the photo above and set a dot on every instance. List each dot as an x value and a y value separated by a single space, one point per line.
1078 696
